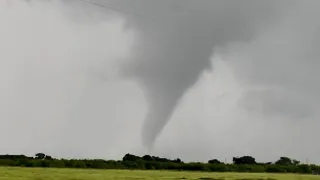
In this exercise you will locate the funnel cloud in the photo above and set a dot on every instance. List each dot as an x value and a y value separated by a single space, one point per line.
177 41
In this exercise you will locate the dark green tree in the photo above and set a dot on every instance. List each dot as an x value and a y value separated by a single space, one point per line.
284 161
48 157
147 158
178 160
244 160
214 161
295 162
40 156
130 157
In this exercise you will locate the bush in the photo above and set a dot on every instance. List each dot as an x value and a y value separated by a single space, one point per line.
242 164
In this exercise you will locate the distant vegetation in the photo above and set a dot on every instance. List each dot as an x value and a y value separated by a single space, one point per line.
147 162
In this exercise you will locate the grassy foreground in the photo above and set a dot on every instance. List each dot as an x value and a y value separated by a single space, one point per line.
10 173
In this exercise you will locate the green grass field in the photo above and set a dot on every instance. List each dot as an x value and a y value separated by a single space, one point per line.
8 173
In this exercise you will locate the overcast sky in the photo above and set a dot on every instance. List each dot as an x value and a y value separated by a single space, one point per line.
191 79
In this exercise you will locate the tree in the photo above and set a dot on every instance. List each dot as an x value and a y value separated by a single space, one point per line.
284 161
244 160
130 157
40 156
178 160
295 162
214 161
147 158
48 157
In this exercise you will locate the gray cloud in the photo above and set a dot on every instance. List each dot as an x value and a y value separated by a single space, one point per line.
52 64
282 63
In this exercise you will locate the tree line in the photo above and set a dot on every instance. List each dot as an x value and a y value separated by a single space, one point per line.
148 162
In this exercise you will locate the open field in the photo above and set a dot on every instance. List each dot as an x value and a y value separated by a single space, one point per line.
9 173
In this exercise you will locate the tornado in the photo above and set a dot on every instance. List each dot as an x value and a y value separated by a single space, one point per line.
177 39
